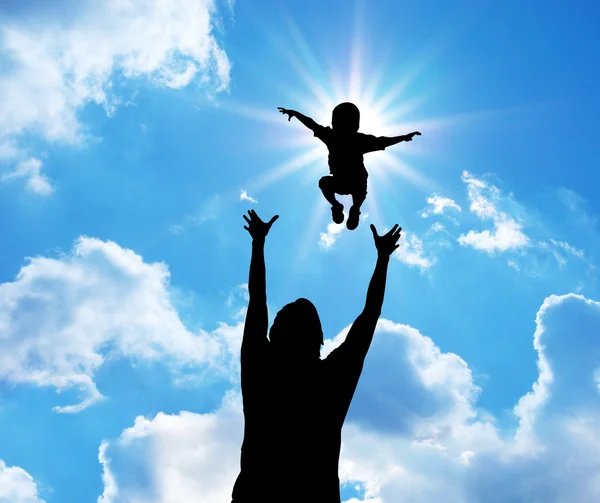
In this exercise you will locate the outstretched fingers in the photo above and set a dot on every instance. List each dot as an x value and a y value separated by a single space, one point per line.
285 111
273 220
392 231
396 236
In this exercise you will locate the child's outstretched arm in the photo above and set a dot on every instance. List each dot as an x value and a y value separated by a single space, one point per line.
307 121
389 141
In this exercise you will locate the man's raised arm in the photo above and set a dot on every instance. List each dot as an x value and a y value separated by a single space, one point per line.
257 318
307 121
361 333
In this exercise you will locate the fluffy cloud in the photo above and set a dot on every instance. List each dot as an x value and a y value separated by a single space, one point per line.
54 69
551 456
568 248
17 486
238 300
437 205
428 441
245 197
31 170
507 233
196 456
554 457
63 317
188 457
328 239
527 254
412 253
437 227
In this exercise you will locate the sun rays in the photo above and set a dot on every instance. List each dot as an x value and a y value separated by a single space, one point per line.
316 90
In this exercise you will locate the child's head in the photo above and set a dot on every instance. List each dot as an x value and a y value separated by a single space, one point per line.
346 117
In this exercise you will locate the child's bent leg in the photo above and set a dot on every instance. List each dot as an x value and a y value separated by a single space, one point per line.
358 198
327 186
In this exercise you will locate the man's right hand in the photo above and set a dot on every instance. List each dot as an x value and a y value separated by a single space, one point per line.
256 227
285 111
386 244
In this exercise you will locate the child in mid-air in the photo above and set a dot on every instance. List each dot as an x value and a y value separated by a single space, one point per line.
346 149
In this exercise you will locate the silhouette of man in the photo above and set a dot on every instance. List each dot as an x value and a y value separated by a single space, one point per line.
346 149
295 403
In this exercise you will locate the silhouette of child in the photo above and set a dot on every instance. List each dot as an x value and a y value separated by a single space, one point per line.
346 149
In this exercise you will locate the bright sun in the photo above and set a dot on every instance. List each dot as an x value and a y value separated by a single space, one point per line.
381 114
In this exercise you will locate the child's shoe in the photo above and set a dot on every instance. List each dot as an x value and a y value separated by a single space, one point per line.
353 217
337 213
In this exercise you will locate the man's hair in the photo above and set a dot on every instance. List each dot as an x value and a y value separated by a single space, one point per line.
297 325
346 117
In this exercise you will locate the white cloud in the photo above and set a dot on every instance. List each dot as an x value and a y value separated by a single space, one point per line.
54 69
568 248
528 252
514 265
62 317
31 170
469 458
17 486
196 456
245 197
328 239
240 293
562 252
507 233
423 439
412 253
111 491
438 204
437 227
188 457
8 149
584 357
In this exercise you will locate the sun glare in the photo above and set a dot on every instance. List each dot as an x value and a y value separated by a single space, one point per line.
383 112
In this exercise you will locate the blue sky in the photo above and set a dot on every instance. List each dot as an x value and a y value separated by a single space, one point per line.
134 135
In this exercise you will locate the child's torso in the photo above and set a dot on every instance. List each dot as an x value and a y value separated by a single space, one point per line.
346 155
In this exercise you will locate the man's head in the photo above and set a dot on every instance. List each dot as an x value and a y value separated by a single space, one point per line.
346 118
296 332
